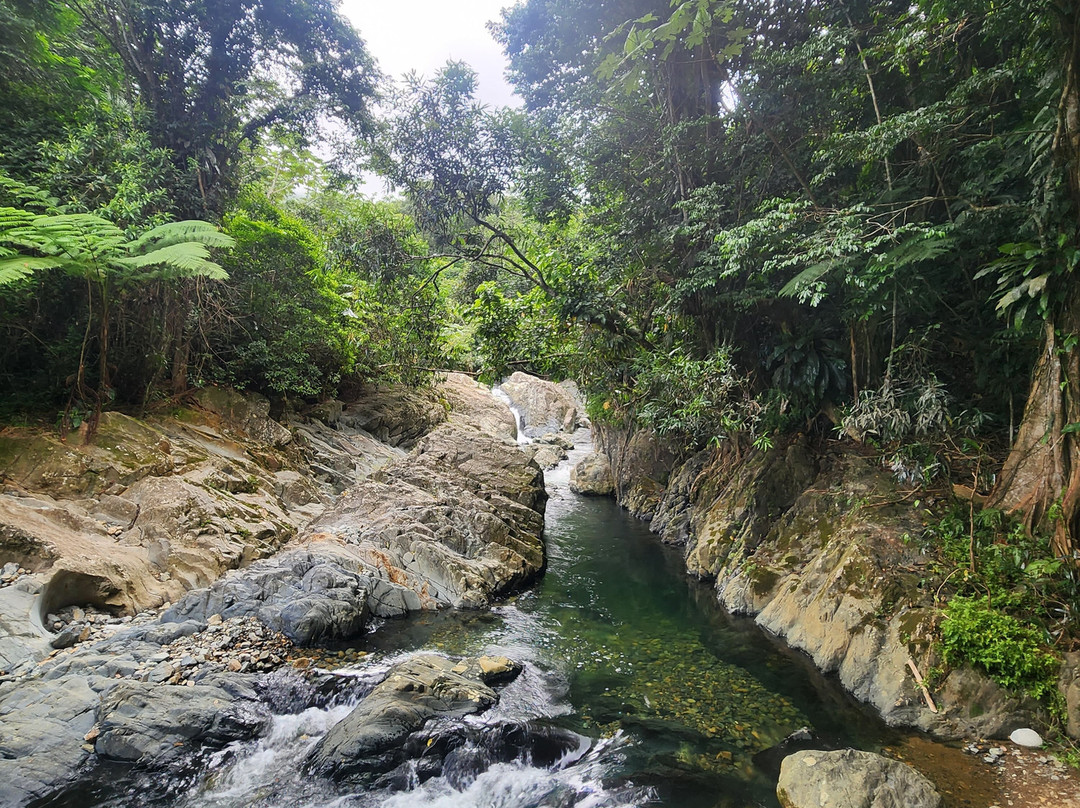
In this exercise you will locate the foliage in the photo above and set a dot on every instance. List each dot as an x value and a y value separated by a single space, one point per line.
213 78
692 401
98 253
1010 653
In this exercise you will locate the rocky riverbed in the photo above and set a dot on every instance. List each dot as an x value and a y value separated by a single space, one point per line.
154 576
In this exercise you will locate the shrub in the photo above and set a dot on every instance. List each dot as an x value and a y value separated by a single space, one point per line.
1008 651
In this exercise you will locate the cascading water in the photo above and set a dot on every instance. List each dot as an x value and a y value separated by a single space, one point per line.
637 689
501 395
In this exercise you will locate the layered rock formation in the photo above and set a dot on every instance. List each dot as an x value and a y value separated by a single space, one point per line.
820 550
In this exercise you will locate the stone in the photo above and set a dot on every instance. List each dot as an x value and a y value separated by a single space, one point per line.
148 723
426 686
1026 736
592 477
44 723
852 779
544 406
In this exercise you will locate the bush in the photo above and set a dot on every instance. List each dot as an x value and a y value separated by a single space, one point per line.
1008 651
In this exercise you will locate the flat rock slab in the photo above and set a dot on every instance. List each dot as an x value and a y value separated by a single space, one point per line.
852 779
146 723
423 687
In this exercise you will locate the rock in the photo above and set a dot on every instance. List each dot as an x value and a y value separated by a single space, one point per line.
546 457
851 779
67 637
1069 685
472 404
1026 737
641 465
307 596
456 523
396 415
41 747
149 723
544 406
329 412
592 476
426 686
247 414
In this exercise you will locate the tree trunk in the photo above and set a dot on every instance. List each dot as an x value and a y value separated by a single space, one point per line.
1041 477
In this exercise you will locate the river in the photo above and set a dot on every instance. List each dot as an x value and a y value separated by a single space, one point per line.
675 702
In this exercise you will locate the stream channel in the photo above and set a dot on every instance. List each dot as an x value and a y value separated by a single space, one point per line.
676 702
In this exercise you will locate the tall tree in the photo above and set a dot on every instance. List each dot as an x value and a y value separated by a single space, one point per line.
213 76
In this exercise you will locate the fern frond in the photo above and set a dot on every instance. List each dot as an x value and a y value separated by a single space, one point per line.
188 260
171 233
19 267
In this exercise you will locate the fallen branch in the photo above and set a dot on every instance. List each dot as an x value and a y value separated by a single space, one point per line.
922 685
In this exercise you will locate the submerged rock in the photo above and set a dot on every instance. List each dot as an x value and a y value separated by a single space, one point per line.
852 779
369 740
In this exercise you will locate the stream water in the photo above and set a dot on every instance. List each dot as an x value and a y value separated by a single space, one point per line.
675 702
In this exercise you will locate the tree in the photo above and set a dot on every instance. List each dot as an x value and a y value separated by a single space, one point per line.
101 255
213 76
1041 476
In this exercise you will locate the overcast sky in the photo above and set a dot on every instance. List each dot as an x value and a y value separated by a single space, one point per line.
421 35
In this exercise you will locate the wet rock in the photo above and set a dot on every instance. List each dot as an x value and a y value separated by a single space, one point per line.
852 779
149 723
544 406
592 476
41 744
426 686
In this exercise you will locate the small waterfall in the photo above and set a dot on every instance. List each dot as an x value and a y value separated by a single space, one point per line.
500 394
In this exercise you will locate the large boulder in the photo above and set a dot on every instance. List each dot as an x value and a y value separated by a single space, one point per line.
852 779
426 686
457 522
592 476
309 596
43 725
544 406
147 723
472 404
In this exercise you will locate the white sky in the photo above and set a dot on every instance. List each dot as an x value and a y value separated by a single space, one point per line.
421 35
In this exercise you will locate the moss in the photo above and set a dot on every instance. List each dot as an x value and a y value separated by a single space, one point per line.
763 580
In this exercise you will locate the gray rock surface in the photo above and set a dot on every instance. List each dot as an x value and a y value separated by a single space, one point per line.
423 687
852 779
42 735
544 406
149 723
592 476
310 597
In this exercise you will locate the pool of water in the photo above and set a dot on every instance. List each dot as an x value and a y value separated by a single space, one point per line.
676 703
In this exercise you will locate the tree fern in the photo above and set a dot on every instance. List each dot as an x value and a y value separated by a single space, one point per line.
96 250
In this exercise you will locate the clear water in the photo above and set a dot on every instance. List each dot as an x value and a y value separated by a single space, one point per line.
676 702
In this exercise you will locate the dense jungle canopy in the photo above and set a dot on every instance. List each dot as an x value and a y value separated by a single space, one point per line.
731 220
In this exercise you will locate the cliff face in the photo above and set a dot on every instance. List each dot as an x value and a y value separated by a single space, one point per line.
822 549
